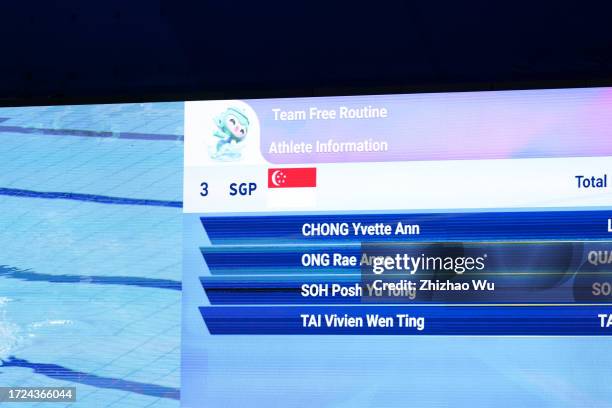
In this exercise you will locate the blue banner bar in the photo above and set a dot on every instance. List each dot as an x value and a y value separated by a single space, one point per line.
473 226
410 320
275 259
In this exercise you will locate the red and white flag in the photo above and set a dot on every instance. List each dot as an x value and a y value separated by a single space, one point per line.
292 177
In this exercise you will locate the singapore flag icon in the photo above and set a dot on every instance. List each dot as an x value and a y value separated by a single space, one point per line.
292 177
292 188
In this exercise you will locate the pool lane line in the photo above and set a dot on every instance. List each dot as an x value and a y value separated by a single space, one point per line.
88 133
95 198
59 372
30 276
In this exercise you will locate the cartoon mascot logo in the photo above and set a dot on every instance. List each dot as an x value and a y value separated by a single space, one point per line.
232 129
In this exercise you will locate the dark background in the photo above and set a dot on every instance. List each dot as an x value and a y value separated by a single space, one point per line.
93 51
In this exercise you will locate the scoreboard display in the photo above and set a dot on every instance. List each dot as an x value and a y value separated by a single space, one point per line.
390 250
406 250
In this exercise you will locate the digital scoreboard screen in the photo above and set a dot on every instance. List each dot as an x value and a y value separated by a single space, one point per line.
449 249
426 250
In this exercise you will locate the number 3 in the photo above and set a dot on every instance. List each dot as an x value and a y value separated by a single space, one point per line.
204 191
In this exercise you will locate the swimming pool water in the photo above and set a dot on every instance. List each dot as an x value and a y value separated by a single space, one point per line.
89 275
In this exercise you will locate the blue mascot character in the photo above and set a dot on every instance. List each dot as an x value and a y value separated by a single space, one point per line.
232 129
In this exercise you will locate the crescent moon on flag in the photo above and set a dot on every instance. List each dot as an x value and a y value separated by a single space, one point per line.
273 177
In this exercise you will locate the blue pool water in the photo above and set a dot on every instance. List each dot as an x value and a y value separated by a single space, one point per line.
90 257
